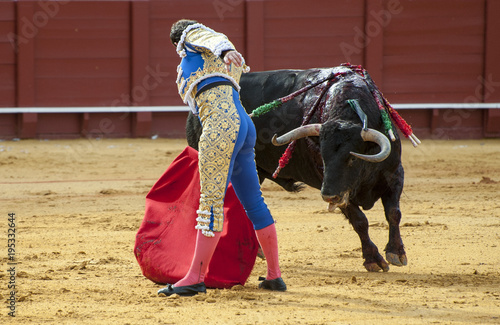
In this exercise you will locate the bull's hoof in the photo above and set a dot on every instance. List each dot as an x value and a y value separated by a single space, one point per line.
395 259
377 267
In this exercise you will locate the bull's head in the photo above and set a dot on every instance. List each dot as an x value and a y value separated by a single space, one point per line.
344 148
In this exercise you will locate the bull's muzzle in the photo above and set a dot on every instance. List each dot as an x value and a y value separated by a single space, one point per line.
336 201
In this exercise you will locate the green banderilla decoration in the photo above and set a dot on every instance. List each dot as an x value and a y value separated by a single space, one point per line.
355 106
386 121
261 110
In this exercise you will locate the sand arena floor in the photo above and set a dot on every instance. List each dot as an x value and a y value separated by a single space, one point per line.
78 205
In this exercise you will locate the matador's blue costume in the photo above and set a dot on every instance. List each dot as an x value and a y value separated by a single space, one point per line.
226 146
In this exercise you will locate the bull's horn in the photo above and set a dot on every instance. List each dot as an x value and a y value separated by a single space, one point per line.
309 130
380 139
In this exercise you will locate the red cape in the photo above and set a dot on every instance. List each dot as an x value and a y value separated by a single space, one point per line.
165 241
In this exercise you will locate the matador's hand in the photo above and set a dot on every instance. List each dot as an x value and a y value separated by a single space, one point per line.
233 57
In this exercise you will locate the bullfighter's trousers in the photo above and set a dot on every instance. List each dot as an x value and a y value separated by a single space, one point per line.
226 153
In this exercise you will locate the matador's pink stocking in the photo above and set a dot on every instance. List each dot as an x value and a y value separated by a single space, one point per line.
268 240
205 248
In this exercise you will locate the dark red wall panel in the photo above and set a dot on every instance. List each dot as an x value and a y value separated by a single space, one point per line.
59 125
433 51
299 35
108 125
8 126
7 55
491 78
171 125
82 54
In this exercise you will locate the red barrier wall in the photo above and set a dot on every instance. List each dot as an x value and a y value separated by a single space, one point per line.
118 53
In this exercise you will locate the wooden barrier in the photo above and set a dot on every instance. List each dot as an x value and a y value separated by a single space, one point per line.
106 54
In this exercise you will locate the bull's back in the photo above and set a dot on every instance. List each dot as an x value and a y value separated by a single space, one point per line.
258 88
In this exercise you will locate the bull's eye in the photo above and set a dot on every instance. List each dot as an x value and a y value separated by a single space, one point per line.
350 161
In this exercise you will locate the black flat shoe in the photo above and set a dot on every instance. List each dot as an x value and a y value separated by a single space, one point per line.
185 291
275 285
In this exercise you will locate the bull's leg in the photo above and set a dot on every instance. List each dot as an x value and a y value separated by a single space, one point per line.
394 251
288 184
374 262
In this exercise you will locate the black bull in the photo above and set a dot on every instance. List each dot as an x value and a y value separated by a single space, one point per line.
326 155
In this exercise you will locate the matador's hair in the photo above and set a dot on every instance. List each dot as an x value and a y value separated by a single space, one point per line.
178 27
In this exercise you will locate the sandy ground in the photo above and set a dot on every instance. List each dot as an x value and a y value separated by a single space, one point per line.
78 205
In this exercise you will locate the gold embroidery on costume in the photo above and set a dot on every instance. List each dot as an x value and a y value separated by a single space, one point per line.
212 66
209 45
204 38
221 124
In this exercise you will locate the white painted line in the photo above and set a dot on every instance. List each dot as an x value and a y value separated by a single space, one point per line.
173 109
103 109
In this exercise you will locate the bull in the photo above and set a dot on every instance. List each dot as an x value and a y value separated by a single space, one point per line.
353 165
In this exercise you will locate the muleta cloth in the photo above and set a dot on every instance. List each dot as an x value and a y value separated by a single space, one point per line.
166 239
